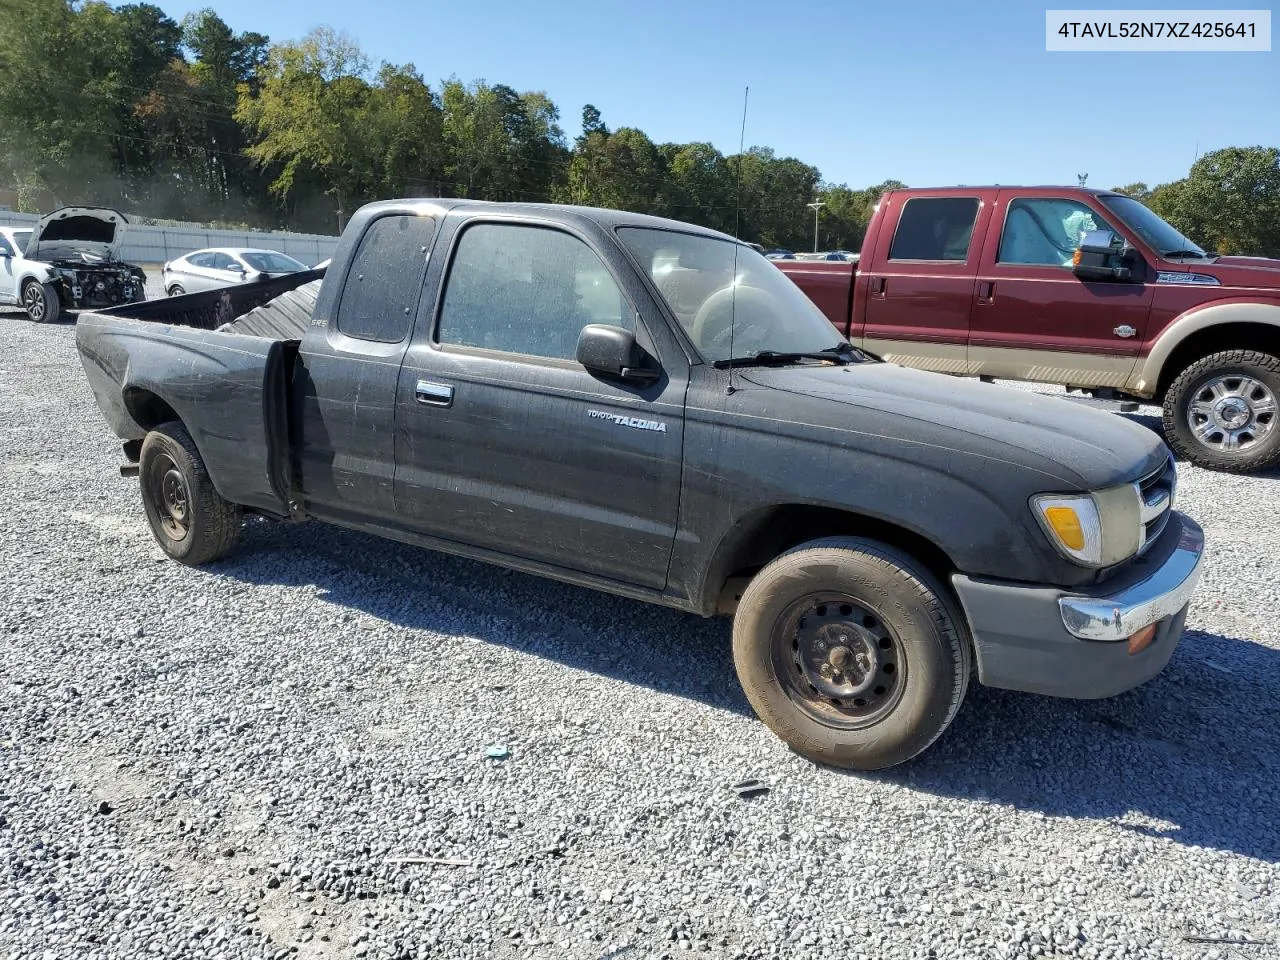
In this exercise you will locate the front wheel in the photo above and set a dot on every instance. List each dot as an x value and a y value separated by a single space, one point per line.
189 518
851 652
1220 412
41 301
176 290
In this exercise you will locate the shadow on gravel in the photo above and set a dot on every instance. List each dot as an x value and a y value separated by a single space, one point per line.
1193 756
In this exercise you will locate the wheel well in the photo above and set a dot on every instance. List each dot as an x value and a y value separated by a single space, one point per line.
147 410
766 534
1226 336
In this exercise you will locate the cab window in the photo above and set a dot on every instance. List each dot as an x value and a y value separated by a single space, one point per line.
1045 231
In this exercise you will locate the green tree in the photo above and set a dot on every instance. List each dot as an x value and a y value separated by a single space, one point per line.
1229 202
311 115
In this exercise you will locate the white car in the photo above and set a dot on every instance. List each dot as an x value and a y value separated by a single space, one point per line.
224 266
68 261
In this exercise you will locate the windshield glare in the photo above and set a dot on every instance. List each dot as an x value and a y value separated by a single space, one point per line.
1146 223
272 262
695 275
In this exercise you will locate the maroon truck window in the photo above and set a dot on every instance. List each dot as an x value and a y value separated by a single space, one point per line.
935 228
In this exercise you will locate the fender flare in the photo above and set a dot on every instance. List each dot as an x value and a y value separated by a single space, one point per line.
1261 312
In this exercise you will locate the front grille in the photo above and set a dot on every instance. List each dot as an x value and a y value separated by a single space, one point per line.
1157 491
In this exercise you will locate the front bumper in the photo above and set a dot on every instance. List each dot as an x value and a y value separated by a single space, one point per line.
1071 643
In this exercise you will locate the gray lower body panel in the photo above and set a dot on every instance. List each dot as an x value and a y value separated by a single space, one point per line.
1022 643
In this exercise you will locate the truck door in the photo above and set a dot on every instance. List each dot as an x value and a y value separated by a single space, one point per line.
920 287
1033 319
345 382
505 442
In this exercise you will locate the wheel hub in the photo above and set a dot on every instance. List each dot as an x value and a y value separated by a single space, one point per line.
840 658
1232 413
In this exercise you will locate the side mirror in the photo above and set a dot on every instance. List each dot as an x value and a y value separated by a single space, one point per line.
613 351
1103 256
235 267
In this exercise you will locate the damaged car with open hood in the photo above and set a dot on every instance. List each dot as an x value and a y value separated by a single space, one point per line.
72 262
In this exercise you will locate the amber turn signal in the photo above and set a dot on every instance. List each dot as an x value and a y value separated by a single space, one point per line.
1075 258
1142 639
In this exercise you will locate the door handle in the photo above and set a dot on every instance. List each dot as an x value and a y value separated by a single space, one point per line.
434 394
877 286
986 291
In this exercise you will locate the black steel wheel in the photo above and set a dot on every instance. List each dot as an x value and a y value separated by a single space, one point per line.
839 660
852 652
188 517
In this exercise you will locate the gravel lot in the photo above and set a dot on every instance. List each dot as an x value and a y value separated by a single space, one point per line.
243 760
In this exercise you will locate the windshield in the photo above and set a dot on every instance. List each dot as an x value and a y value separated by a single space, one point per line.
272 262
695 275
1146 223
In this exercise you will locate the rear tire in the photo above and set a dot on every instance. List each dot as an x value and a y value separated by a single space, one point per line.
41 301
190 520
1220 413
176 290
851 652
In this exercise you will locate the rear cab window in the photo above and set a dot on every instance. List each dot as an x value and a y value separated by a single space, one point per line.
935 229
381 291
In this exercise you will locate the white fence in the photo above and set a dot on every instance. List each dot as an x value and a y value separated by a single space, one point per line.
144 244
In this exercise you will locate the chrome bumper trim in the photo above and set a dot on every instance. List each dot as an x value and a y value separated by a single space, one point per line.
1162 594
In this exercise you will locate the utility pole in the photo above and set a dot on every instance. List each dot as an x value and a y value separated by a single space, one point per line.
815 207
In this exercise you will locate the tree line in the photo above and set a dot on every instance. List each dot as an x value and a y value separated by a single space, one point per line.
124 106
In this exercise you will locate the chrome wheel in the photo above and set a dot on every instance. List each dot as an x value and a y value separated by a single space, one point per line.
167 489
838 660
33 301
1231 412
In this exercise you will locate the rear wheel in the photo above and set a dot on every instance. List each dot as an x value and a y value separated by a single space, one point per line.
188 517
176 290
41 301
1220 412
851 652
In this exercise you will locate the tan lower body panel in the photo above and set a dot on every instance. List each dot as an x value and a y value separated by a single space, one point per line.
938 357
1011 363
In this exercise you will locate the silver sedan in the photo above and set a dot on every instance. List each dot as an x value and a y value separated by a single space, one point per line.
224 266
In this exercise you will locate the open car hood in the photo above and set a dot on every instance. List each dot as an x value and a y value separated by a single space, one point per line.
70 231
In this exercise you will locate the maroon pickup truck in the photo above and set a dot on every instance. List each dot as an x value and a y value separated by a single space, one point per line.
1085 288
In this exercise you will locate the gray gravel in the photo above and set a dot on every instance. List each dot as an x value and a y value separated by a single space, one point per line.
243 760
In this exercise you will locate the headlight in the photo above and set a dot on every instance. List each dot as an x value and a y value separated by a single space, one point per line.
1098 529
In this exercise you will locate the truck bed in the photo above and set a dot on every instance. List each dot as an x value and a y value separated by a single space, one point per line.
828 283
278 309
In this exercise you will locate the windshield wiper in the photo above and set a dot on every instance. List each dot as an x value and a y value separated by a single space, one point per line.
1188 254
840 353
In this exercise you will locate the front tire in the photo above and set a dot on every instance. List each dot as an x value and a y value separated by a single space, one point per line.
176 290
851 652
41 301
188 517
1220 412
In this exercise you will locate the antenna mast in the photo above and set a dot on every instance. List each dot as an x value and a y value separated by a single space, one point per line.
737 214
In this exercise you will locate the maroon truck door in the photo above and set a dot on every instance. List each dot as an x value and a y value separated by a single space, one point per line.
1033 319
919 291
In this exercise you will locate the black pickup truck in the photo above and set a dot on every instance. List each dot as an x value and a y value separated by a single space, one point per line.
652 409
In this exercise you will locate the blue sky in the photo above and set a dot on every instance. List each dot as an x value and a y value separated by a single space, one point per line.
929 93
